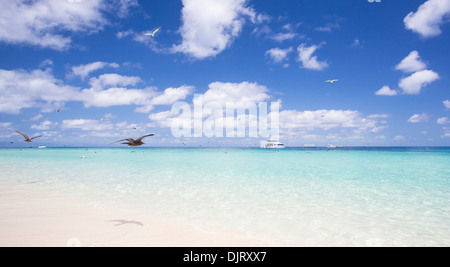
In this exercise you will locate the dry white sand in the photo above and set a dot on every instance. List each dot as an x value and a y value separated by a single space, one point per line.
32 216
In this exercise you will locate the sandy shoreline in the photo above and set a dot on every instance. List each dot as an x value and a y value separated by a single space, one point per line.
32 216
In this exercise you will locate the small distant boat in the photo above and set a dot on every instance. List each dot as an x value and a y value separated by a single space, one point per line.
42 147
271 143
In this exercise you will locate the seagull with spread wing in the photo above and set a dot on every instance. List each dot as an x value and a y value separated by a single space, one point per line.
151 33
27 139
331 81
132 142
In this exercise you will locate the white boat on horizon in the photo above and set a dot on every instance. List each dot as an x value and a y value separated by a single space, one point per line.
42 147
271 143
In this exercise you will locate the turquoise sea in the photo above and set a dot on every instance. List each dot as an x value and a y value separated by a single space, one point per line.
367 196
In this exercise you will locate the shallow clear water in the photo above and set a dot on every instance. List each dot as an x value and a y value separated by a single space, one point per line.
345 197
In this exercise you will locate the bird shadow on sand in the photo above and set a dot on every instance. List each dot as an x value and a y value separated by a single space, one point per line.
122 222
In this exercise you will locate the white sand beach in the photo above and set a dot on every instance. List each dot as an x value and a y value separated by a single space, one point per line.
31 216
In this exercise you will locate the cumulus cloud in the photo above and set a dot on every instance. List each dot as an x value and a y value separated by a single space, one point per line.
31 89
411 63
84 70
428 18
172 95
443 120
386 90
446 103
305 56
45 125
236 92
327 119
48 23
209 27
220 93
116 96
86 125
413 84
279 55
21 89
416 118
112 79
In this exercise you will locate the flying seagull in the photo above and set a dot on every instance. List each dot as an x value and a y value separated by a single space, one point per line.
132 142
331 81
151 33
27 139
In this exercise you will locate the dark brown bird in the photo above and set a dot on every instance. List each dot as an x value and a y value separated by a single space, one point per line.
132 142
27 139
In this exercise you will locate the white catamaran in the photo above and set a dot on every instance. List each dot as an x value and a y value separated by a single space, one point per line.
271 143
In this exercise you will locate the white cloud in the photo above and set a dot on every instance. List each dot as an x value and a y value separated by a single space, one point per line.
413 84
283 36
379 116
49 23
165 119
287 34
209 27
122 7
37 22
427 20
112 80
83 71
416 118
172 95
305 56
124 34
386 90
327 119
86 125
45 125
446 103
116 96
37 117
411 63
443 120
21 89
105 93
46 63
279 55
31 89
236 92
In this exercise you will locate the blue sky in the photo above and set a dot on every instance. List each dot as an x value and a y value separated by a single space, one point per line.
88 60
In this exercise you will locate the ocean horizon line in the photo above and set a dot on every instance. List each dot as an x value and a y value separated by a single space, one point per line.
228 147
